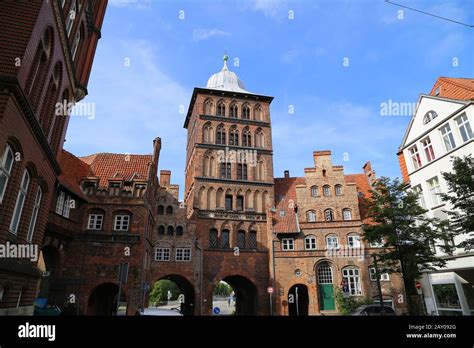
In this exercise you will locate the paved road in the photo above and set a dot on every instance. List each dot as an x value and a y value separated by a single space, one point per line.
220 302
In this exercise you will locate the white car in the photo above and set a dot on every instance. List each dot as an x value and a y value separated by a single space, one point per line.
174 312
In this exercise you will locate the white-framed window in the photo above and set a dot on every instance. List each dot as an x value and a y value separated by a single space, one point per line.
183 254
384 277
288 244
464 127
332 242
311 216
67 206
71 16
433 186
415 157
60 203
352 277
421 199
314 191
346 214
328 215
310 243
20 201
448 138
6 165
338 190
34 215
428 148
162 254
75 44
122 222
353 240
326 190
429 116
95 221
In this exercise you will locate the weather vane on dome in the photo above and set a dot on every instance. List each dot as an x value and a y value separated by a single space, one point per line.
226 57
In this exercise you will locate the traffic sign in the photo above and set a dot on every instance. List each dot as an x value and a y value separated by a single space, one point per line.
270 290
216 310
418 285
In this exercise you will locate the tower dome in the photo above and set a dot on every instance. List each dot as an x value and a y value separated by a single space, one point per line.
226 80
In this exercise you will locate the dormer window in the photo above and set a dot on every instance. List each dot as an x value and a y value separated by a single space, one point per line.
429 116
115 185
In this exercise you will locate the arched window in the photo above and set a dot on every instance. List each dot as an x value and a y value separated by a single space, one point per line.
71 16
34 215
40 67
234 136
353 240
332 242
6 165
260 170
220 135
213 239
48 114
225 239
207 133
311 216
326 190
241 239
208 107
77 40
20 201
161 210
310 243
169 210
329 215
246 112
58 128
325 274
179 230
253 240
259 138
220 108
429 116
246 137
346 214
314 191
338 190
161 230
258 113
352 277
170 230
233 110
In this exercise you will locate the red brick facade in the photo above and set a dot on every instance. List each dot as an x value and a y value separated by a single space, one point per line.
40 64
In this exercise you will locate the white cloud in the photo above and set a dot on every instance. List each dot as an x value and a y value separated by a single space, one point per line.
270 8
204 34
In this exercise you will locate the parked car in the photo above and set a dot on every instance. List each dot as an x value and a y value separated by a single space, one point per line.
173 312
373 309
50 310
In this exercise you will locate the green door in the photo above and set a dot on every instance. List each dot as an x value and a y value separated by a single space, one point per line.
327 295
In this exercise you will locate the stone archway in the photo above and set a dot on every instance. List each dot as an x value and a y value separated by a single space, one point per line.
246 295
298 300
186 301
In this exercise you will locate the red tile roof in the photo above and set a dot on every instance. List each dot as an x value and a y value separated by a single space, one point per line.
110 166
454 88
285 201
72 170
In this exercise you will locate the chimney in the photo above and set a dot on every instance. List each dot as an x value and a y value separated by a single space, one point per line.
287 174
165 178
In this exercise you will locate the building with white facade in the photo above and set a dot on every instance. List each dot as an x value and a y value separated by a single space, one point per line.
442 128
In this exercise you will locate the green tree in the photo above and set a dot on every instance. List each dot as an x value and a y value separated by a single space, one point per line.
222 289
159 292
347 305
407 234
460 195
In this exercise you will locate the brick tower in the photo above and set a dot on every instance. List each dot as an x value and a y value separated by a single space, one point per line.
229 188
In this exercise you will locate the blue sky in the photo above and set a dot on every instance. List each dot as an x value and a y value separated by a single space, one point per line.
153 53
